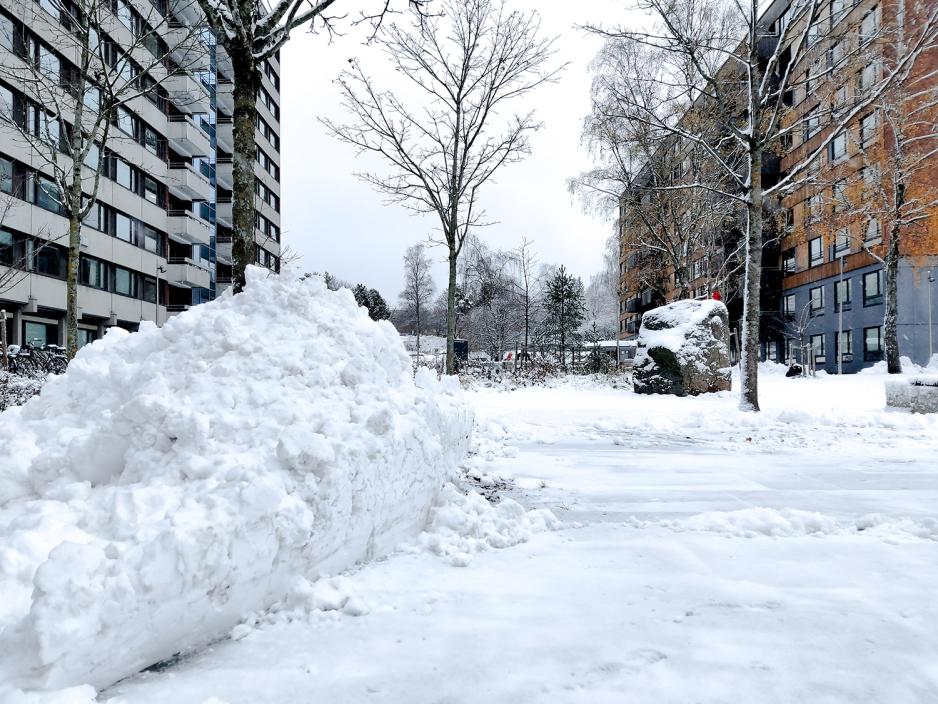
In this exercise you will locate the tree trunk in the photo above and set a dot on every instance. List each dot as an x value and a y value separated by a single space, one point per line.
247 81
749 375
891 273
71 286
417 315
451 313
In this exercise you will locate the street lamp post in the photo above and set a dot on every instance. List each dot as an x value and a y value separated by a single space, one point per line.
931 280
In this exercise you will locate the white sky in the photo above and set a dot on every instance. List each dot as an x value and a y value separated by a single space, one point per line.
337 223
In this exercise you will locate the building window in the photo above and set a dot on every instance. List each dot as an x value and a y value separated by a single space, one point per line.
812 123
788 304
842 242
816 299
37 334
151 239
869 25
873 288
839 197
838 147
85 337
47 194
868 130
6 33
124 174
838 52
6 175
839 8
817 349
873 344
873 234
124 227
789 262
846 350
125 282
48 260
149 290
843 294
151 190
93 273
816 251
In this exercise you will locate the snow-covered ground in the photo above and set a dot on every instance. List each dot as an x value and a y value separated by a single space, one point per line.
708 556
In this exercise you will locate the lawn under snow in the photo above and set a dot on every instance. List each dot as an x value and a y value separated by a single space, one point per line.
708 556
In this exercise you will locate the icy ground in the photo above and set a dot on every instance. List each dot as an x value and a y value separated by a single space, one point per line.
722 557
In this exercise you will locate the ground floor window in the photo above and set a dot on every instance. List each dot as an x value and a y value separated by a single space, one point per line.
817 349
843 345
86 337
873 344
38 334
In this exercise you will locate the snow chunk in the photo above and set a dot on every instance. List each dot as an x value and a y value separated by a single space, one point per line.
176 479
466 523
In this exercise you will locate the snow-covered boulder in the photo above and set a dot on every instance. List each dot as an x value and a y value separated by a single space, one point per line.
178 478
682 349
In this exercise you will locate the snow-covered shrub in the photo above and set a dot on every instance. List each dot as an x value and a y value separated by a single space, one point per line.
179 477
15 390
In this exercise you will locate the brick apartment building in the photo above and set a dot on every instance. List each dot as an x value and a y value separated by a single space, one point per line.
822 287
159 237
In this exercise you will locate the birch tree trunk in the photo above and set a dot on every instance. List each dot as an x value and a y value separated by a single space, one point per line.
451 313
749 349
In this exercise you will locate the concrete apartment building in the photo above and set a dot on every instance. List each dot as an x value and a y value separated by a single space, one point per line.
158 239
823 280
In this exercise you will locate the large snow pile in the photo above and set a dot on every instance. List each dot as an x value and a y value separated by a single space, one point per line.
178 478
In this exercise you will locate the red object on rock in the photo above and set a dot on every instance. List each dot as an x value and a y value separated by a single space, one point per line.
716 295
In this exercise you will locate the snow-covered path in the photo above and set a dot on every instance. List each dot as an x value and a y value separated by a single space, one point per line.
698 576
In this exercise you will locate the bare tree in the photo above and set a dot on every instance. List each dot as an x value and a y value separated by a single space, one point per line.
726 63
891 194
72 110
418 288
465 66
525 261
251 32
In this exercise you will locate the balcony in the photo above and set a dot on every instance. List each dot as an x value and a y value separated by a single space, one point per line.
224 61
187 94
224 134
223 213
184 272
224 96
186 228
186 10
187 48
224 173
223 253
188 184
186 138
172 310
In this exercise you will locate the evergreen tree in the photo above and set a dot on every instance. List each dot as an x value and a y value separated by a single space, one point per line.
372 300
565 310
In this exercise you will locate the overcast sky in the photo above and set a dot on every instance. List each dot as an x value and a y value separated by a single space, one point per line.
339 224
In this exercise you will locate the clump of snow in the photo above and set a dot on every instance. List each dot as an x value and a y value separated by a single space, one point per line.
15 389
792 523
466 523
750 522
669 326
178 478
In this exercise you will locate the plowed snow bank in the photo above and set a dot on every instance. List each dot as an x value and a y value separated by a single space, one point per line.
175 479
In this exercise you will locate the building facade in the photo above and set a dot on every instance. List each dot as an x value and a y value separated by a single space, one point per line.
158 237
823 291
